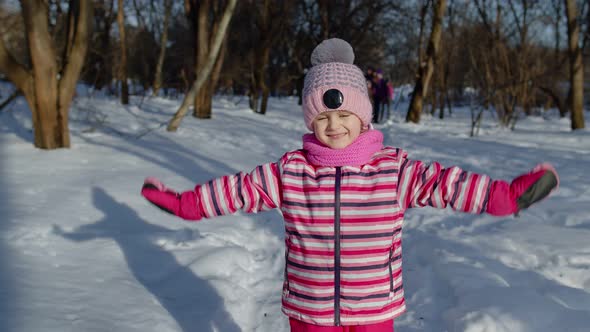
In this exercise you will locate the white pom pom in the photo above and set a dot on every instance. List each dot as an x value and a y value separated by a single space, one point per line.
332 50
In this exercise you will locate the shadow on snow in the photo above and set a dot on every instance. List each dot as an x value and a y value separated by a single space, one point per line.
191 301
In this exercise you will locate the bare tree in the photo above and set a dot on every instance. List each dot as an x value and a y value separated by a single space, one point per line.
446 65
98 69
500 60
122 72
269 31
47 87
209 14
426 67
576 66
163 41
203 74
521 20
204 19
550 86
423 14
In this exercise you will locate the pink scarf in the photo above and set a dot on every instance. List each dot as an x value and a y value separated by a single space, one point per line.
357 153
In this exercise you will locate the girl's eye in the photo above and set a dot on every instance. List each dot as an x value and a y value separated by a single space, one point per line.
344 115
321 118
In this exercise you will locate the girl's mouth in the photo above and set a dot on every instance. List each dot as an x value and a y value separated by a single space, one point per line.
336 136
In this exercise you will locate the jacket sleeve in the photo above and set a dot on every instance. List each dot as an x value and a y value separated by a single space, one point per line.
433 185
251 192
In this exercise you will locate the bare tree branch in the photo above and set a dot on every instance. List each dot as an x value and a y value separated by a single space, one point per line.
204 73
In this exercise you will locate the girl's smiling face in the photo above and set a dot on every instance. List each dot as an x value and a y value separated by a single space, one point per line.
337 129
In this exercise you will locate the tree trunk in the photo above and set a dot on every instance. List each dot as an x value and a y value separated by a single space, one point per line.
254 94
163 41
47 90
264 102
203 107
423 12
444 91
556 99
216 73
427 66
123 59
261 77
79 31
576 67
104 19
203 35
47 120
204 73
270 32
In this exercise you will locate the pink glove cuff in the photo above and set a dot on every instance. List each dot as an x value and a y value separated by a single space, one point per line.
500 201
189 206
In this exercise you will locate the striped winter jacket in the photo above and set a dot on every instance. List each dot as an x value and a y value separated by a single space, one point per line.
343 226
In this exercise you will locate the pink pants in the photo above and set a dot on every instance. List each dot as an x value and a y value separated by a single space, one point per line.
299 326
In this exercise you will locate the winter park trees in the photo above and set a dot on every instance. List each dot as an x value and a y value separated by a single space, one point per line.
49 84
426 63
576 63
510 58
207 57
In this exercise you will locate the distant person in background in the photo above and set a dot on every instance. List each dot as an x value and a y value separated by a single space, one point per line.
389 100
370 73
370 91
379 96
343 197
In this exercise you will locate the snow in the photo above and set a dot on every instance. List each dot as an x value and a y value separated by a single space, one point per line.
81 250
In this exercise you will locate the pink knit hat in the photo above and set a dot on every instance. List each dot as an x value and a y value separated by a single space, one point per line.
334 83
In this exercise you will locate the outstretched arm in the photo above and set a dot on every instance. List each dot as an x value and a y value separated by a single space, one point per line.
433 185
436 186
257 191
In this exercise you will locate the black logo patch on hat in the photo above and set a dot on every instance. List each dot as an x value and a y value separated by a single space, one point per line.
333 98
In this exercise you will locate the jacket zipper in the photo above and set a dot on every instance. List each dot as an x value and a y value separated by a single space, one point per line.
286 266
390 270
337 247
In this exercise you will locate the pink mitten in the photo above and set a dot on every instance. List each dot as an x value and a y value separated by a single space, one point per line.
184 205
523 191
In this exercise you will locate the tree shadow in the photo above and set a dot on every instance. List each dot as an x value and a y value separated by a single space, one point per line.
197 307
11 124
10 297
192 164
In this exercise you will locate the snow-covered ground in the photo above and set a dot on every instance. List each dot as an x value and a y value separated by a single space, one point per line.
81 250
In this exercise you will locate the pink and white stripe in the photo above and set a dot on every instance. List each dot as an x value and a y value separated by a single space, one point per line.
373 199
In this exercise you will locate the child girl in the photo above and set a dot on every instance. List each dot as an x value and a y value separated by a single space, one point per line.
343 197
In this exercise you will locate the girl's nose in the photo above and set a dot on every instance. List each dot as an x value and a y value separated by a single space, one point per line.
333 123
